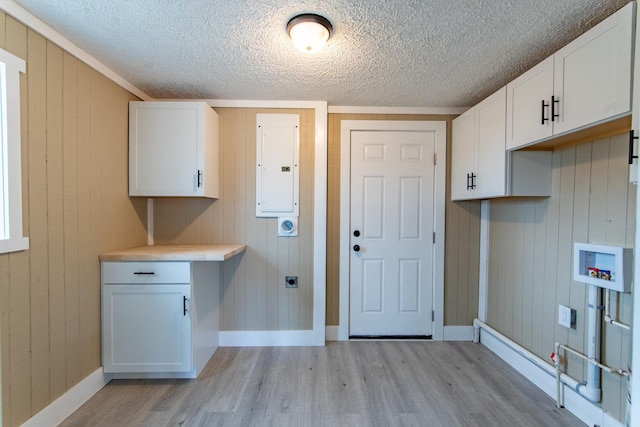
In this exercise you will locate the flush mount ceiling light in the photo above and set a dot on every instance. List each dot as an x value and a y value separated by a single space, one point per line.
309 32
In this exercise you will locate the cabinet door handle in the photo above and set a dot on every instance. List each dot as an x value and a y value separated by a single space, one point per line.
544 119
468 181
199 178
184 306
554 101
631 139
473 181
144 272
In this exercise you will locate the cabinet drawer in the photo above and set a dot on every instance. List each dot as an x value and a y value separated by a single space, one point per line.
146 272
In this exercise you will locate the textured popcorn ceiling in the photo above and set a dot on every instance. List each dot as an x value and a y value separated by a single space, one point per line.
401 53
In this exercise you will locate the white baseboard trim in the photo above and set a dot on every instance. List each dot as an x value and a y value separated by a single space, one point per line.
586 411
458 333
331 333
266 338
61 408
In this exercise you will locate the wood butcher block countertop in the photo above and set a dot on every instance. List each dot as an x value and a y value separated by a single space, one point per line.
175 253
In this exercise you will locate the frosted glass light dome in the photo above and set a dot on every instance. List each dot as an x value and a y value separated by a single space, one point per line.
309 32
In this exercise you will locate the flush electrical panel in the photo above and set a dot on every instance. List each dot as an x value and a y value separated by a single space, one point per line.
277 164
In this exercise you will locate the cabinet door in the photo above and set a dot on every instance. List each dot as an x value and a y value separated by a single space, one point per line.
163 150
146 328
173 149
592 75
525 109
462 155
490 146
634 146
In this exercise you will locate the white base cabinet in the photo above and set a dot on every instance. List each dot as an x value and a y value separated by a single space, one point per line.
159 319
148 328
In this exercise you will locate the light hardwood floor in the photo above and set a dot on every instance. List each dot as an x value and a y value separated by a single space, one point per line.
365 383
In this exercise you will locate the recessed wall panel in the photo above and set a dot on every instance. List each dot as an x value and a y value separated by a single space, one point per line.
410 202
409 285
373 153
373 211
372 285
411 153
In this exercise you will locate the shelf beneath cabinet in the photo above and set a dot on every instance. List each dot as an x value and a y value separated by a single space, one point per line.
589 134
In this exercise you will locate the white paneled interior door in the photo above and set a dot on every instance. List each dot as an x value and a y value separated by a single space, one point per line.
392 226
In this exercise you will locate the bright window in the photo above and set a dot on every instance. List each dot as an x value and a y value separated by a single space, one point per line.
11 233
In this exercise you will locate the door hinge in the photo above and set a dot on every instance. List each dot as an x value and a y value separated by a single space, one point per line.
435 159
434 237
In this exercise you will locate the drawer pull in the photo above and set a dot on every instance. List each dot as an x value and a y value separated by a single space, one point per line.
144 272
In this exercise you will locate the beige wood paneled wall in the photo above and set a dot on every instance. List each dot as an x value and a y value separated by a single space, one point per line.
74 159
462 238
253 294
530 257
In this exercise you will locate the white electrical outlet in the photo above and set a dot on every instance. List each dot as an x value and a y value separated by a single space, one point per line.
566 316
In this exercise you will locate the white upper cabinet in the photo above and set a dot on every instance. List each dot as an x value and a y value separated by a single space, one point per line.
478 165
491 155
481 167
463 155
528 99
173 149
585 83
592 75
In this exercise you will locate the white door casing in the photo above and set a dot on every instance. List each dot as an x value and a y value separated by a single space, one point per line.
391 274
438 129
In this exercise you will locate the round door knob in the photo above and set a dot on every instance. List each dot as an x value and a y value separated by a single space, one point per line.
356 248
356 233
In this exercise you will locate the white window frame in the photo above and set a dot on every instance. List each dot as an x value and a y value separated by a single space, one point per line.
11 232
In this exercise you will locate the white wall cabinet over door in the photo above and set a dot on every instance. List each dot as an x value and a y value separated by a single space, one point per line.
173 149
478 165
585 83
